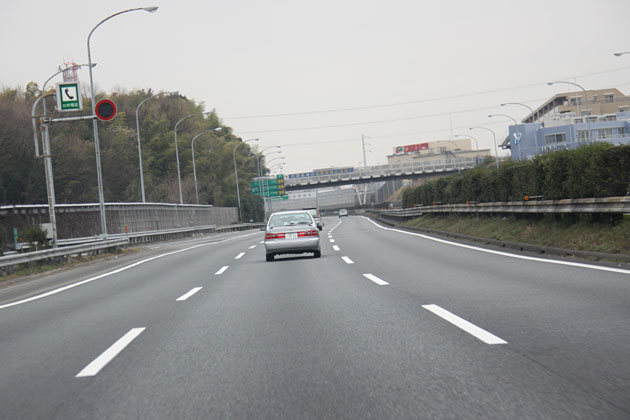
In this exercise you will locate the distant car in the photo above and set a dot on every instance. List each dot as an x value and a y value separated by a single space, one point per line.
343 212
291 232
314 211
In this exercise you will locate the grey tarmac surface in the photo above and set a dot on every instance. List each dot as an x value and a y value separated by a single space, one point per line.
314 338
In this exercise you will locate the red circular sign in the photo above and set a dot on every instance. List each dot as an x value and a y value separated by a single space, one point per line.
105 110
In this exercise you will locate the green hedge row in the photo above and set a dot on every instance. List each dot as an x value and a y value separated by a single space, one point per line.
597 170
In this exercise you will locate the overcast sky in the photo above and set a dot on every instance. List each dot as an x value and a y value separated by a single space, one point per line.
421 66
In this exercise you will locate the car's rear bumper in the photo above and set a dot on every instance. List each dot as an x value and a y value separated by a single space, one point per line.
292 246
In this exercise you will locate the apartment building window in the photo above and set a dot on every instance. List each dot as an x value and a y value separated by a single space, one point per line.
621 132
605 133
609 98
555 138
624 109
609 118
582 136
576 101
595 99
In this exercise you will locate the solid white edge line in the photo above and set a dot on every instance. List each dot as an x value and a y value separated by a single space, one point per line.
222 270
109 273
101 361
238 257
189 294
505 254
347 260
470 328
335 247
375 279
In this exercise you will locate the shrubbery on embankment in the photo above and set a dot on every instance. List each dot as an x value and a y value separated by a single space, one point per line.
597 170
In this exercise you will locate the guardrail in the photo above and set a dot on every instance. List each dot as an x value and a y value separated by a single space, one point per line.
576 205
98 245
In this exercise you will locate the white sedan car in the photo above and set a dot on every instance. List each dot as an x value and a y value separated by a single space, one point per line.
291 232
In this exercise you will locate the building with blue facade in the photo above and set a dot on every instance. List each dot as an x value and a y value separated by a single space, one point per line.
567 121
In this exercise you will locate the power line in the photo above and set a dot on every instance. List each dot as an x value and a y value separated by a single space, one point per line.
419 101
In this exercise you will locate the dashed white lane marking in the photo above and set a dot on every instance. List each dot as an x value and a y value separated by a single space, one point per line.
335 247
470 328
238 257
101 361
119 270
252 247
155 247
261 242
189 294
505 254
222 270
375 279
332 241
347 260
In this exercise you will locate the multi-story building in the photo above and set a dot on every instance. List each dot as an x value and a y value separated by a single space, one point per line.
441 150
569 120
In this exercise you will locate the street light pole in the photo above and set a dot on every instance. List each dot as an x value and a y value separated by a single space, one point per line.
515 123
238 194
192 146
139 145
531 110
496 152
588 113
179 176
99 176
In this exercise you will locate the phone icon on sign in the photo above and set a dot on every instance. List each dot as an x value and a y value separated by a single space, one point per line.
68 94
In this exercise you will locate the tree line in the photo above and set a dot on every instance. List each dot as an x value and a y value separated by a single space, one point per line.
596 170
22 177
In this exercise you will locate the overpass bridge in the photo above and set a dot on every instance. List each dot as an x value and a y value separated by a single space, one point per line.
379 173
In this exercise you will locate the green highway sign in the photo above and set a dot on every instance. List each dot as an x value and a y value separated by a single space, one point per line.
69 96
270 187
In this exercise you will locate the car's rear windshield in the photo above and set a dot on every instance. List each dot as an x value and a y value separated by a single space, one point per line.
290 219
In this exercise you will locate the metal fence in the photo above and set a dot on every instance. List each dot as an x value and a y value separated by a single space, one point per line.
83 220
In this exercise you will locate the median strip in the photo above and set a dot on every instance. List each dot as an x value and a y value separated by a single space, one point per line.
108 355
470 328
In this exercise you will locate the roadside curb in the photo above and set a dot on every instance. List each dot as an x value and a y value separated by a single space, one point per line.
519 246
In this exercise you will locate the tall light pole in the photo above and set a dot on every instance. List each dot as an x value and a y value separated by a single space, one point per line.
531 110
496 152
515 123
179 175
238 194
192 146
139 145
97 151
588 113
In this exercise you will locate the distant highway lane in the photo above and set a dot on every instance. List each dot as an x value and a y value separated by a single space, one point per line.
386 324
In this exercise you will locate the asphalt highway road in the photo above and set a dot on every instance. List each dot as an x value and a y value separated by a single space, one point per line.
386 324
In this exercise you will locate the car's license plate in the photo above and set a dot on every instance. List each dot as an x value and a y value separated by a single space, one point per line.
291 236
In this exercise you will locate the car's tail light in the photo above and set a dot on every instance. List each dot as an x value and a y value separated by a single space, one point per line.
274 236
312 232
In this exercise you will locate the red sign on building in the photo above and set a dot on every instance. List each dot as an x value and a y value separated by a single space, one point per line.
411 148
